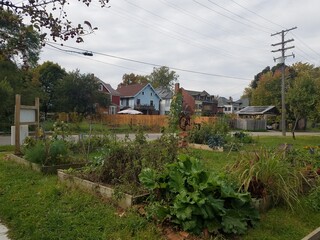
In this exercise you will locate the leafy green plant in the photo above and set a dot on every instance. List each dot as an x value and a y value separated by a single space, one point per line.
268 173
216 141
196 200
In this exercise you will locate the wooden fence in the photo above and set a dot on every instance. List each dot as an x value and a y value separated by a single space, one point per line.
136 120
147 120
250 124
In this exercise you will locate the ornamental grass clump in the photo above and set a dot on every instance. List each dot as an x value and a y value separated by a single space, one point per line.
268 173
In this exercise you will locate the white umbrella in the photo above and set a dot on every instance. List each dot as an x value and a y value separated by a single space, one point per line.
129 111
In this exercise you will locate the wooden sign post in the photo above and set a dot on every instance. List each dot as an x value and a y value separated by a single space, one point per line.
27 115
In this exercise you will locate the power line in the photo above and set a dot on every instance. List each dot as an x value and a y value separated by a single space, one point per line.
278 25
174 35
157 65
94 60
257 14
239 16
226 16
182 26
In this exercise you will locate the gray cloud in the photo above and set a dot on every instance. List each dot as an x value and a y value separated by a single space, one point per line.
233 39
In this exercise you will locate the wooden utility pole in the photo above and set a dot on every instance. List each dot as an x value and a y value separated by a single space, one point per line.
282 60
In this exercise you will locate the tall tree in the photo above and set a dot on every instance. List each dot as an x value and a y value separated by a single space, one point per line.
48 75
17 40
268 91
14 81
163 77
303 94
255 81
43 15
128 79
79 93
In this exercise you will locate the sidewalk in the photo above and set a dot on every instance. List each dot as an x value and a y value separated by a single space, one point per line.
3 232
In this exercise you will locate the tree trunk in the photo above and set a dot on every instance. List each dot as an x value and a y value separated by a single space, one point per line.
294 127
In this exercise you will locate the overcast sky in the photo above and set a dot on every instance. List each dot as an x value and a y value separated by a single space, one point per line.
228 41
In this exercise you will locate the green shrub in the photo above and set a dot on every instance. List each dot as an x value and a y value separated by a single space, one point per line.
47 152
243 137
36 153
195 199
58 151
202 134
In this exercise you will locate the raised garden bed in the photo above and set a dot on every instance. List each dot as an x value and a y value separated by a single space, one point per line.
125 201
315 235
39 168
205 147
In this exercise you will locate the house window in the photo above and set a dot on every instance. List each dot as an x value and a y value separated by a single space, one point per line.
138 101
142 93
151 103
101 87
112 110
150 94
235 108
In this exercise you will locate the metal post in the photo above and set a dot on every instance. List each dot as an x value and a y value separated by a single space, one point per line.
283 57
17 124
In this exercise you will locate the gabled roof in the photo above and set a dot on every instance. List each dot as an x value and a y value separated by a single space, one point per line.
134 89
195 93
258 110
222 101
164 92
110 89
131 90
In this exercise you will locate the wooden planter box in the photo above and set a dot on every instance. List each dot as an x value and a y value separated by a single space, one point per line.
205 147
315 235
39 168
107 192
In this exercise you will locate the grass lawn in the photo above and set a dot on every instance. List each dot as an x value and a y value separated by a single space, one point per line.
36 206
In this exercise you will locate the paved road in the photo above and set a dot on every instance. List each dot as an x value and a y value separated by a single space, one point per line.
5 140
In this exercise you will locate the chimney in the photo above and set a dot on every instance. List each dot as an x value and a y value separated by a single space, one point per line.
176 88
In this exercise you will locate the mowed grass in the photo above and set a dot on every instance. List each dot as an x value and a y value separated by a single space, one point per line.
217 161
281 223
35 206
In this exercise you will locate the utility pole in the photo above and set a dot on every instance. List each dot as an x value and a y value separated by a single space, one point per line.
282 60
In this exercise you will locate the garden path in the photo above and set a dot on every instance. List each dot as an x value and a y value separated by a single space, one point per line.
3 232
